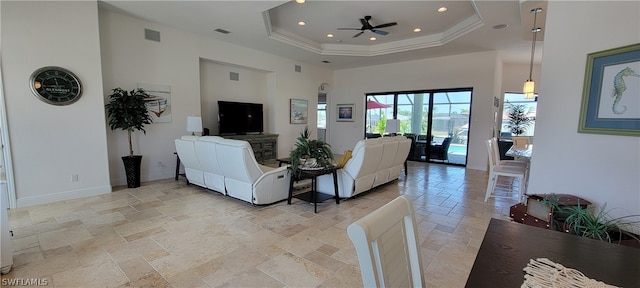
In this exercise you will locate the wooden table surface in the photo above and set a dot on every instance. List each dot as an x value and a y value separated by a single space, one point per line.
508 246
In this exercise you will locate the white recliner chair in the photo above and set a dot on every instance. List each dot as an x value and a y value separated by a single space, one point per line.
206 152
247 180
186 149
389 150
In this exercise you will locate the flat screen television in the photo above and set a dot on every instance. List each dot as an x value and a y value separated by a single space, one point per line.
239 118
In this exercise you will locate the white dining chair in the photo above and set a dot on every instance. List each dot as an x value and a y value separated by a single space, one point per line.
386 241
512 171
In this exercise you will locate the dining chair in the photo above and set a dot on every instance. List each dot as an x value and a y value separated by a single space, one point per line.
516 162
496 170
520 141
386 242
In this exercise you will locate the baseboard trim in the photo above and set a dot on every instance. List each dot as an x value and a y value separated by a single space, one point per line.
62 196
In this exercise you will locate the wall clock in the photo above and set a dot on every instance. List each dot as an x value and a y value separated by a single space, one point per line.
55 85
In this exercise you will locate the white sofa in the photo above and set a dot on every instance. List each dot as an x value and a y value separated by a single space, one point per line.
374 162
228 166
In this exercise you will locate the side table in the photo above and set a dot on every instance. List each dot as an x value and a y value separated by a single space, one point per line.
314 196
178 168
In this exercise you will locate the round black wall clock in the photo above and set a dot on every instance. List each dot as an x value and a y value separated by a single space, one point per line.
55 85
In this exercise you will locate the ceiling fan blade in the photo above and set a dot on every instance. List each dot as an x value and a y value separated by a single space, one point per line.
349 29
385 25
354 36
380 32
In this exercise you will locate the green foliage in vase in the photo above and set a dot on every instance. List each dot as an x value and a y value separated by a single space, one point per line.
127 111
518 122
306 149
586 223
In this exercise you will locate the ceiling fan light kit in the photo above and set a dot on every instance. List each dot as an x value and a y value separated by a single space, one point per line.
366 26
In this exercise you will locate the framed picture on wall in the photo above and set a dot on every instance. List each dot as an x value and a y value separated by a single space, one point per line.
298 111
610 102
346 112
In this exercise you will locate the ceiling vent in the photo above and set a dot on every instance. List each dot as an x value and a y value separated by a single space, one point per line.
298 68
222 31
152 35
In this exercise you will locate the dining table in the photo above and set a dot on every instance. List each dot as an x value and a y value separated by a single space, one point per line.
508 247
523 151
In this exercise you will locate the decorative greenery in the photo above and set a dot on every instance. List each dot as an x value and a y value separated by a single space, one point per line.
307 149
584 222
518 121
127 111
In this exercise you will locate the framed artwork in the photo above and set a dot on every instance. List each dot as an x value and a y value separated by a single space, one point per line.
346 112
610 102
159 104
298 111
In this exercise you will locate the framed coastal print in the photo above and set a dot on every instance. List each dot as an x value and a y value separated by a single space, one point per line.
611 93
346 112
298 111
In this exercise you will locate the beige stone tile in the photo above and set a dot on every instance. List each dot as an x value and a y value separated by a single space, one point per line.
253 278
188 278
149 280
222 276
102 274
103 219
133 249
23 243
347 276
144 234
240 260
43 267
287 269
61 237
325 261
136 268
28 255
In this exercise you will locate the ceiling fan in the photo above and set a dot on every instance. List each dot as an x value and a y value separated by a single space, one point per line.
367 26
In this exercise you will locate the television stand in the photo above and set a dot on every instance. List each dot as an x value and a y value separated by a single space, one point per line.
264 145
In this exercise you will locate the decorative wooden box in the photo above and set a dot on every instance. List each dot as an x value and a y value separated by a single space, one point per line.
537 213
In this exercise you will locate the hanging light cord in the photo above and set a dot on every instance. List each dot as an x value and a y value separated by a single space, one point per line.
533 43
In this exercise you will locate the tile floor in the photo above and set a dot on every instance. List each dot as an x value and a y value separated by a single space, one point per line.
168 234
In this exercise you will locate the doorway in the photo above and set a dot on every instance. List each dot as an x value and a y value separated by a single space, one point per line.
436 120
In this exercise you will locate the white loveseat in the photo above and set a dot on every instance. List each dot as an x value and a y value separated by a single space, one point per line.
228 166
374 162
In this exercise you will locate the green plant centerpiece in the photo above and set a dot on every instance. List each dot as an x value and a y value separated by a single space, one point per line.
518 121
310 153
584 221
127 111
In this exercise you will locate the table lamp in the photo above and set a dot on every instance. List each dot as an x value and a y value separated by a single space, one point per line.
194 124
392 127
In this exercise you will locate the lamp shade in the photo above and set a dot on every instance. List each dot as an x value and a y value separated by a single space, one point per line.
393 126
194 124
528 89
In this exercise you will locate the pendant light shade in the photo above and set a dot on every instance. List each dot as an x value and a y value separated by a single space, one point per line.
529 86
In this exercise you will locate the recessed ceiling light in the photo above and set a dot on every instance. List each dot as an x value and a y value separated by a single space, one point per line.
500 26
372 38
299 1
301 23
329 35
417 30
442 9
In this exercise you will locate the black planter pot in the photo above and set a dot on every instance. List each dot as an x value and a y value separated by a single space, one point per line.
132 169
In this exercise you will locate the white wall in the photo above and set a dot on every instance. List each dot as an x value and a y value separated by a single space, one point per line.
600 168
215 85
128 59
50 143
476 70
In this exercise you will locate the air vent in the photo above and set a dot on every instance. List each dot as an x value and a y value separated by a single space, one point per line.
234 76
298 68
152 35
222 31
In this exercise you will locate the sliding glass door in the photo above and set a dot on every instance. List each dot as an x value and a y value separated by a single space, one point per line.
437 120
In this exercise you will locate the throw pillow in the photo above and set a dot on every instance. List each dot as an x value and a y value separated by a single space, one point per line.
345 157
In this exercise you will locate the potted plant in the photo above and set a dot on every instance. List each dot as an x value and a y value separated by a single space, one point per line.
582 221
309 153
518 122
127 111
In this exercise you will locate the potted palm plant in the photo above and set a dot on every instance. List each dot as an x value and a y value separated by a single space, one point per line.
309 153
518 122
127 111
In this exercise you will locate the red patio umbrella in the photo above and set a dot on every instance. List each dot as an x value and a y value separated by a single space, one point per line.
376 105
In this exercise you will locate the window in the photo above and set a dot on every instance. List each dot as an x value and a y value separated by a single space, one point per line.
518 99
322 116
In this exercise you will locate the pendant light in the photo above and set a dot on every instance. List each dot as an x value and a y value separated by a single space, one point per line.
529 85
